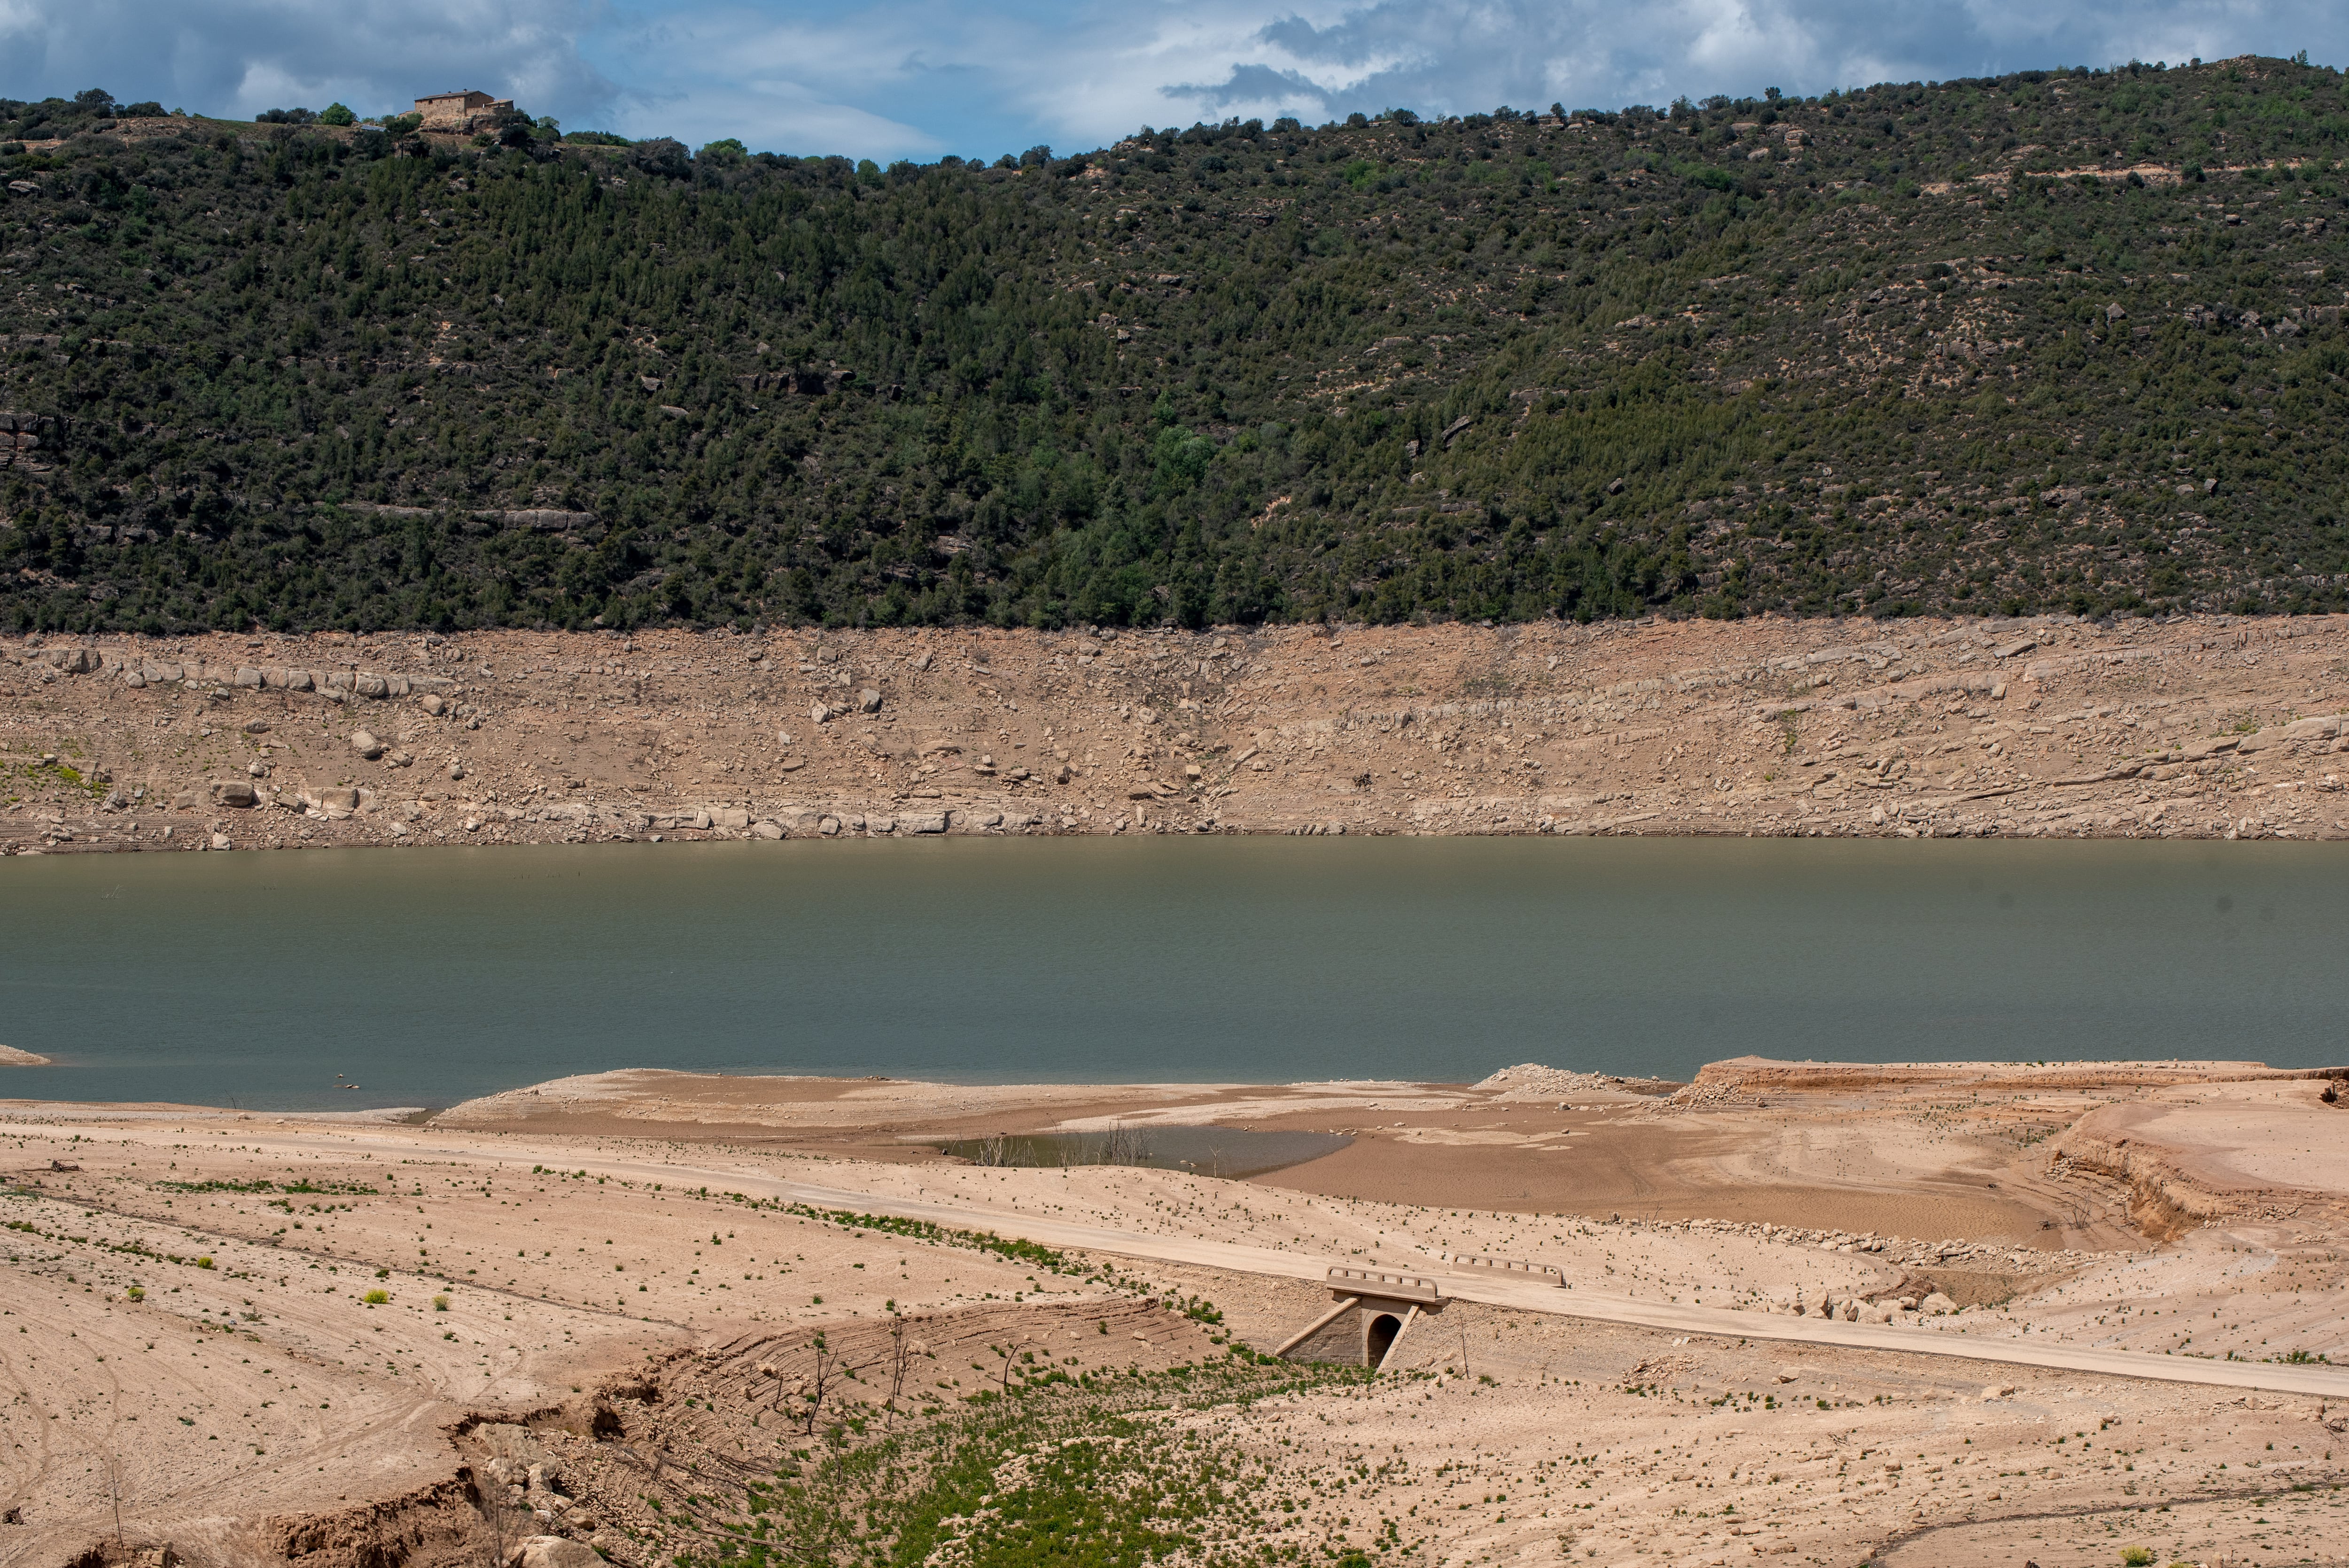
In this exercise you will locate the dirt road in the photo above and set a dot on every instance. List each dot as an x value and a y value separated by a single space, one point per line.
1579 1301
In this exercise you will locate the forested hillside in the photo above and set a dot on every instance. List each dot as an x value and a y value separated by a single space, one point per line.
2056 340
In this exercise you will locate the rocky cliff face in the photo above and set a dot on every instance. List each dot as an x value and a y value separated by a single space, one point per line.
2199 728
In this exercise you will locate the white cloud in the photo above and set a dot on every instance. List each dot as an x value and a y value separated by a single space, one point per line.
236 58
919 78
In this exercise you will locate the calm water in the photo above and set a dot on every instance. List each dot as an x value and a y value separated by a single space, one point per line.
430 975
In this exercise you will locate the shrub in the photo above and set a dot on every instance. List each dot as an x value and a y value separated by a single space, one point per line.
440 1304
376 1297
2136 1557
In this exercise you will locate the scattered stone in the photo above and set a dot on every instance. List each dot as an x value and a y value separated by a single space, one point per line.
552 1552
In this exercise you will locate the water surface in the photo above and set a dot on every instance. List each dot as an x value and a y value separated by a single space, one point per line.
429 976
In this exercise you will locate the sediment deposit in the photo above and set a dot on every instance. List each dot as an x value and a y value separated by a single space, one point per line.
650 1315
2191 728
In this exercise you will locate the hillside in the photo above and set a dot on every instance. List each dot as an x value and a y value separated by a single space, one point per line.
2057 341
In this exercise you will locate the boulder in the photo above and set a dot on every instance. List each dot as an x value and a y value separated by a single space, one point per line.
365 743
435 704
924 822
732 818
552 1552
338 803
767 828
370 685
236 792
300 680
248 678
868 701
818 714
1937 1305
220 841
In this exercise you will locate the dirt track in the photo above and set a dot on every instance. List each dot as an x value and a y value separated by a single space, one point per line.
2192 728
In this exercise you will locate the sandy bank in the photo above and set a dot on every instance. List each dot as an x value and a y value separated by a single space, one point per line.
604 1317
2204 727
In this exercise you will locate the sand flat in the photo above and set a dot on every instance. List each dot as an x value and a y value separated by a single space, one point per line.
627 1274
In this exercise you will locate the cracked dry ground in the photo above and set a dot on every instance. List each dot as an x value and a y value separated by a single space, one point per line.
655 1369
2199 728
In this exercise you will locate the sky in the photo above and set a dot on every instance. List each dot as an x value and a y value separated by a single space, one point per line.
922 78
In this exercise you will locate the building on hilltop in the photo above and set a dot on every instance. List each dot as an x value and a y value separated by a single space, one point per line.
461 111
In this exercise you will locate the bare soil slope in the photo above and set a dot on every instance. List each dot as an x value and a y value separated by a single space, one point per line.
2197 728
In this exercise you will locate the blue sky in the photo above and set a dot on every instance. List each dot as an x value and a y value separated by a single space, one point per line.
919 78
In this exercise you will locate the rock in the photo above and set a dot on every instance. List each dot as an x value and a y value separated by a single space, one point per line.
1937 1305
434 704
828 827
818 714
921 661
399 759
1850 1312
248 678
767 828
366 744
220 841
236 792
456 769
734 817
924 822
868 701
370 685
881 826
552 1552
338 803
300 680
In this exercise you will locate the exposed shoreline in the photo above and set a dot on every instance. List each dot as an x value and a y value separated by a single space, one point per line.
2203 728
1847 1302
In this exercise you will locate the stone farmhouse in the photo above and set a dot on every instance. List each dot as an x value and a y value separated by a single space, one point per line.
461 111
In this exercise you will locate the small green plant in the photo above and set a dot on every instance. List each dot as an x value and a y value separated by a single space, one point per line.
2136 1557
203 1262
440 1304
135 1294
376 1297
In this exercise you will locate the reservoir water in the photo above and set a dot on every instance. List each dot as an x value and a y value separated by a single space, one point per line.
425 976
